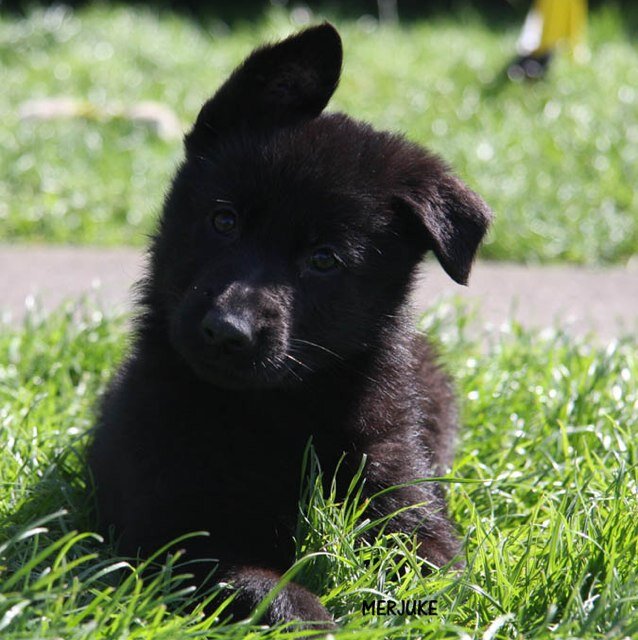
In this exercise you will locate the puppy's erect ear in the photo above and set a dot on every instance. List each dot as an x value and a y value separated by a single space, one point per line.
276 85
451 218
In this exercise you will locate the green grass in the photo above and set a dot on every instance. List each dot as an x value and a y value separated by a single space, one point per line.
543 489
556 160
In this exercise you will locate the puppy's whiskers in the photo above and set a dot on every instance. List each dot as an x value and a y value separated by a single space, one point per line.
342 362
317 346
291 371
299 362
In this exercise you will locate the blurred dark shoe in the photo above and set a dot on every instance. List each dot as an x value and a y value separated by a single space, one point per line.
533 66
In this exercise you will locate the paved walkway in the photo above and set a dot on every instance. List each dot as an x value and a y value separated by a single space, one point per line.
601 300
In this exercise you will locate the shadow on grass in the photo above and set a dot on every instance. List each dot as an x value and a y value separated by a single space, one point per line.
500 13
497 15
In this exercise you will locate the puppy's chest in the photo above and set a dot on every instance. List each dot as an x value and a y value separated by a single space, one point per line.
253 454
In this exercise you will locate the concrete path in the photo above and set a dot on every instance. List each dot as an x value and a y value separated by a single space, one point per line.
601 300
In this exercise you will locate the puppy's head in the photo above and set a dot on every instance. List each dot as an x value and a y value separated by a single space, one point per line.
290 238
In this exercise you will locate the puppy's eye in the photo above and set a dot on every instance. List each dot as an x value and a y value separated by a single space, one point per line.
224 219
324 260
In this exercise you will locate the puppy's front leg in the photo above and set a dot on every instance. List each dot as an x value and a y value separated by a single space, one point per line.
419 508
293 602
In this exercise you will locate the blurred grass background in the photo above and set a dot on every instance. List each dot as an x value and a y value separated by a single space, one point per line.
557 160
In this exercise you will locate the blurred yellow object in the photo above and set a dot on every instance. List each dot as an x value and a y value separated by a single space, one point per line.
551 23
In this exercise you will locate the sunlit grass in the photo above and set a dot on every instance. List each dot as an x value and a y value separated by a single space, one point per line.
543 491
556 160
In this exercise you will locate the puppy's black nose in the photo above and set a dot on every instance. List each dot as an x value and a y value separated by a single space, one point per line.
227 332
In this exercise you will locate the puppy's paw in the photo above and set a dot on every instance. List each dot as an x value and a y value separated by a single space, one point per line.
292 603
296 603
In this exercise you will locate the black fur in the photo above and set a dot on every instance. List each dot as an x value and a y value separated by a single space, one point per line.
247 344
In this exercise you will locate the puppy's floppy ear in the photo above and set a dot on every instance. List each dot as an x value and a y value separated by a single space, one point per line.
451 219
276 85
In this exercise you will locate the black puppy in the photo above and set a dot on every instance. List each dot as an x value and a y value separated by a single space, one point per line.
274 309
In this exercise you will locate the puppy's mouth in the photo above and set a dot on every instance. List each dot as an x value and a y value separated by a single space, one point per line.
265 366
263 373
